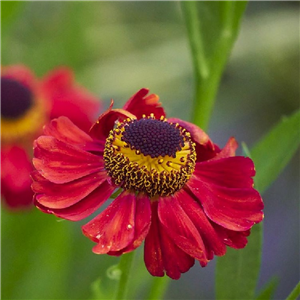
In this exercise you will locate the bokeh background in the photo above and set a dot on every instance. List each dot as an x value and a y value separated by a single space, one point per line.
115 48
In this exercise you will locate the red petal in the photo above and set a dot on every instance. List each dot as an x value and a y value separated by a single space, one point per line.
228 150
114 228
233 208
233 172
59 196
152 250
15 179
15 167
142 224
195 212
60 163
66 131
180 228
140 105
161 253
100 130
70 99
233 239
83 208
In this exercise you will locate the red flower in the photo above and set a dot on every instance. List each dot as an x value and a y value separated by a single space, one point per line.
179 191
26 104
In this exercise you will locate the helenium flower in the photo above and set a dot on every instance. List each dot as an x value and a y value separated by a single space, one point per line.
181 194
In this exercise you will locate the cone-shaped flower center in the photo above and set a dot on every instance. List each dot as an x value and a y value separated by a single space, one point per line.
150 156
16 99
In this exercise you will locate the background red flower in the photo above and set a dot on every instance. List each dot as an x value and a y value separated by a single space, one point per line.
57 94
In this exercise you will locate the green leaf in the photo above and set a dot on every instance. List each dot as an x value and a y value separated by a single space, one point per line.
295 293
273 152
268 291
237 271
212 29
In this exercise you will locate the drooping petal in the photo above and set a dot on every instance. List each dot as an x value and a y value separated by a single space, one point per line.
180 228
213 243
66 131
60 162
205 148
100 130
140 104
114 228
235 208
58 196
83 208
233 239
232 172
152 249
15 180
161 253
69 99
142 224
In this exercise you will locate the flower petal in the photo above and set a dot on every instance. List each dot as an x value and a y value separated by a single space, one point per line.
60 162
152 249
114 228
180 228
66 131
235 208
233 239
100 130
232 172
15 180
142 224
83 208
69 99
59 196
213 243
228 150
140 105
161 253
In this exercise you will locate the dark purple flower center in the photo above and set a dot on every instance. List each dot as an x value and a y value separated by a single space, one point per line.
16 99
153 137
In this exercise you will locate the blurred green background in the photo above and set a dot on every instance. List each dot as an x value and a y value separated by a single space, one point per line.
115 48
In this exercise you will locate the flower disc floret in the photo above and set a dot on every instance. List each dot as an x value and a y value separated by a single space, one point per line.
16 99
149 155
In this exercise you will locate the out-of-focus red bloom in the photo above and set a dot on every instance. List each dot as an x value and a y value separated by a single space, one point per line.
27 103
179 192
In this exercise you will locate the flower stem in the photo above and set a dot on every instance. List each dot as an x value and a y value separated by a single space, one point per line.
125 268
210 55
158 288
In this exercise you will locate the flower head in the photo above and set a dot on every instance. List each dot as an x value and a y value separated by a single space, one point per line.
178 191
26 104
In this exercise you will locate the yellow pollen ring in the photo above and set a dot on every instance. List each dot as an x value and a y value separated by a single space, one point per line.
158 176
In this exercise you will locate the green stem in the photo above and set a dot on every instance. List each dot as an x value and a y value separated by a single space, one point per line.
125 268
158 288
208 65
